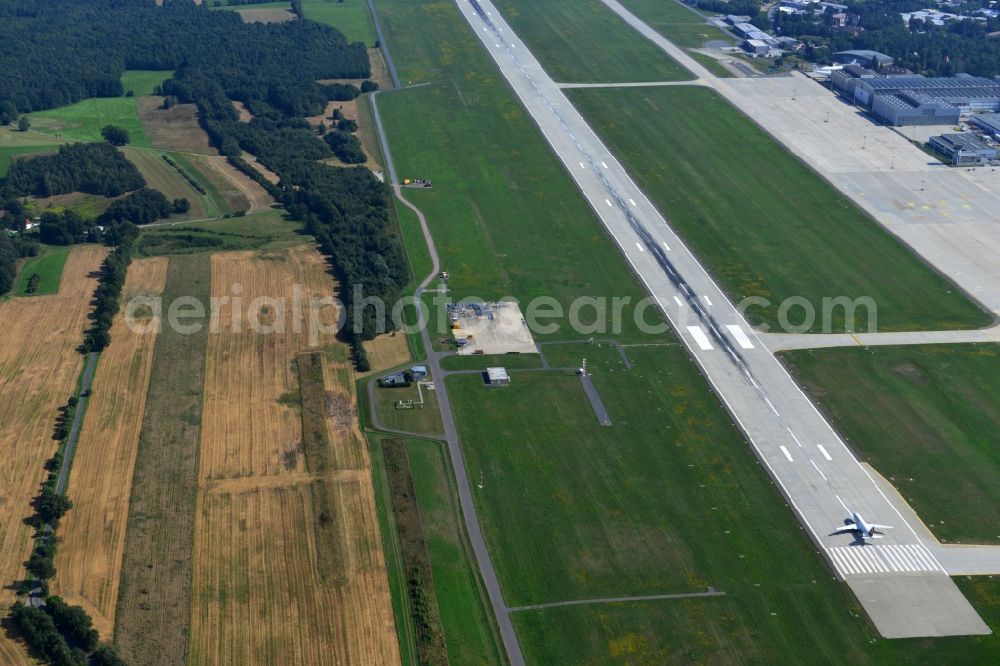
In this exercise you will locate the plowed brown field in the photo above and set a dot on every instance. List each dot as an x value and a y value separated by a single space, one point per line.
92 536
288 563
39 366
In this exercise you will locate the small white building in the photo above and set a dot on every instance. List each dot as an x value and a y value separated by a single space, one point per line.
497 377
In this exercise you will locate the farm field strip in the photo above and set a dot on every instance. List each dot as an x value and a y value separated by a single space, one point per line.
288 564
39 367
83 121
92 535
153 610
161 176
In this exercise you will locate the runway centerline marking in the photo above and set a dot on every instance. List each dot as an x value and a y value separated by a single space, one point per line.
741 337
699 337
707 300
608 201
817 468
632 201
641 248
823 451
771 405
679 302
666 247
604 164
787 454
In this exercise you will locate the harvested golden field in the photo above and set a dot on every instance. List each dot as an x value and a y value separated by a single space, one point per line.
267 15
269 175
288 565
175 128
240 191
39 367
161 176
386 351
92 535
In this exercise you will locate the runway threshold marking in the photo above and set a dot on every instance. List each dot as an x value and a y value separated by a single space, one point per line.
742 339
787 454
700 337
867 559
823 451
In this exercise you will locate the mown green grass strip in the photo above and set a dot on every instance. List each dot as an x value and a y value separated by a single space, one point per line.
926 417
583 41
48 268
762 222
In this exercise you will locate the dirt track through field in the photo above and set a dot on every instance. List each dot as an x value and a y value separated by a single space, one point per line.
39 366
92 535
288 565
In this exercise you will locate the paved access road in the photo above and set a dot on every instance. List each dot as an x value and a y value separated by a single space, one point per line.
818 474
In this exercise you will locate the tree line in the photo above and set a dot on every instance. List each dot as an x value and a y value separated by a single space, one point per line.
93 168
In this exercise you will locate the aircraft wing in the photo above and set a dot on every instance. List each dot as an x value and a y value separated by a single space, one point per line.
881 527
845 528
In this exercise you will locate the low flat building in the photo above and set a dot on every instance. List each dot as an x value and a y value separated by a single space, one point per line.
755 47
497 377
963 149
395 379
988 122
418 372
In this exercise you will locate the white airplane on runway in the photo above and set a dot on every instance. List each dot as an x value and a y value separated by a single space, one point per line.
864 530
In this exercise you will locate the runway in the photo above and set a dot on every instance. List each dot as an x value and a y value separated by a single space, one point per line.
807 459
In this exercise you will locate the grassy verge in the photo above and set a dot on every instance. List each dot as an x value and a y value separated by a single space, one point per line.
712 65
766 226
510 361
926 417
153 604
416 559
41 275
470 634
565 34
351 17
679 24
392 549
83 121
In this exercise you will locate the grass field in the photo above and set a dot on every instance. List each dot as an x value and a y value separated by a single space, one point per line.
39 368
14 143
425 420
767 226
288 564
565 36
92 535
154 600
351 17
926 417
143 81
507 219
676 22
48 266
83 121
